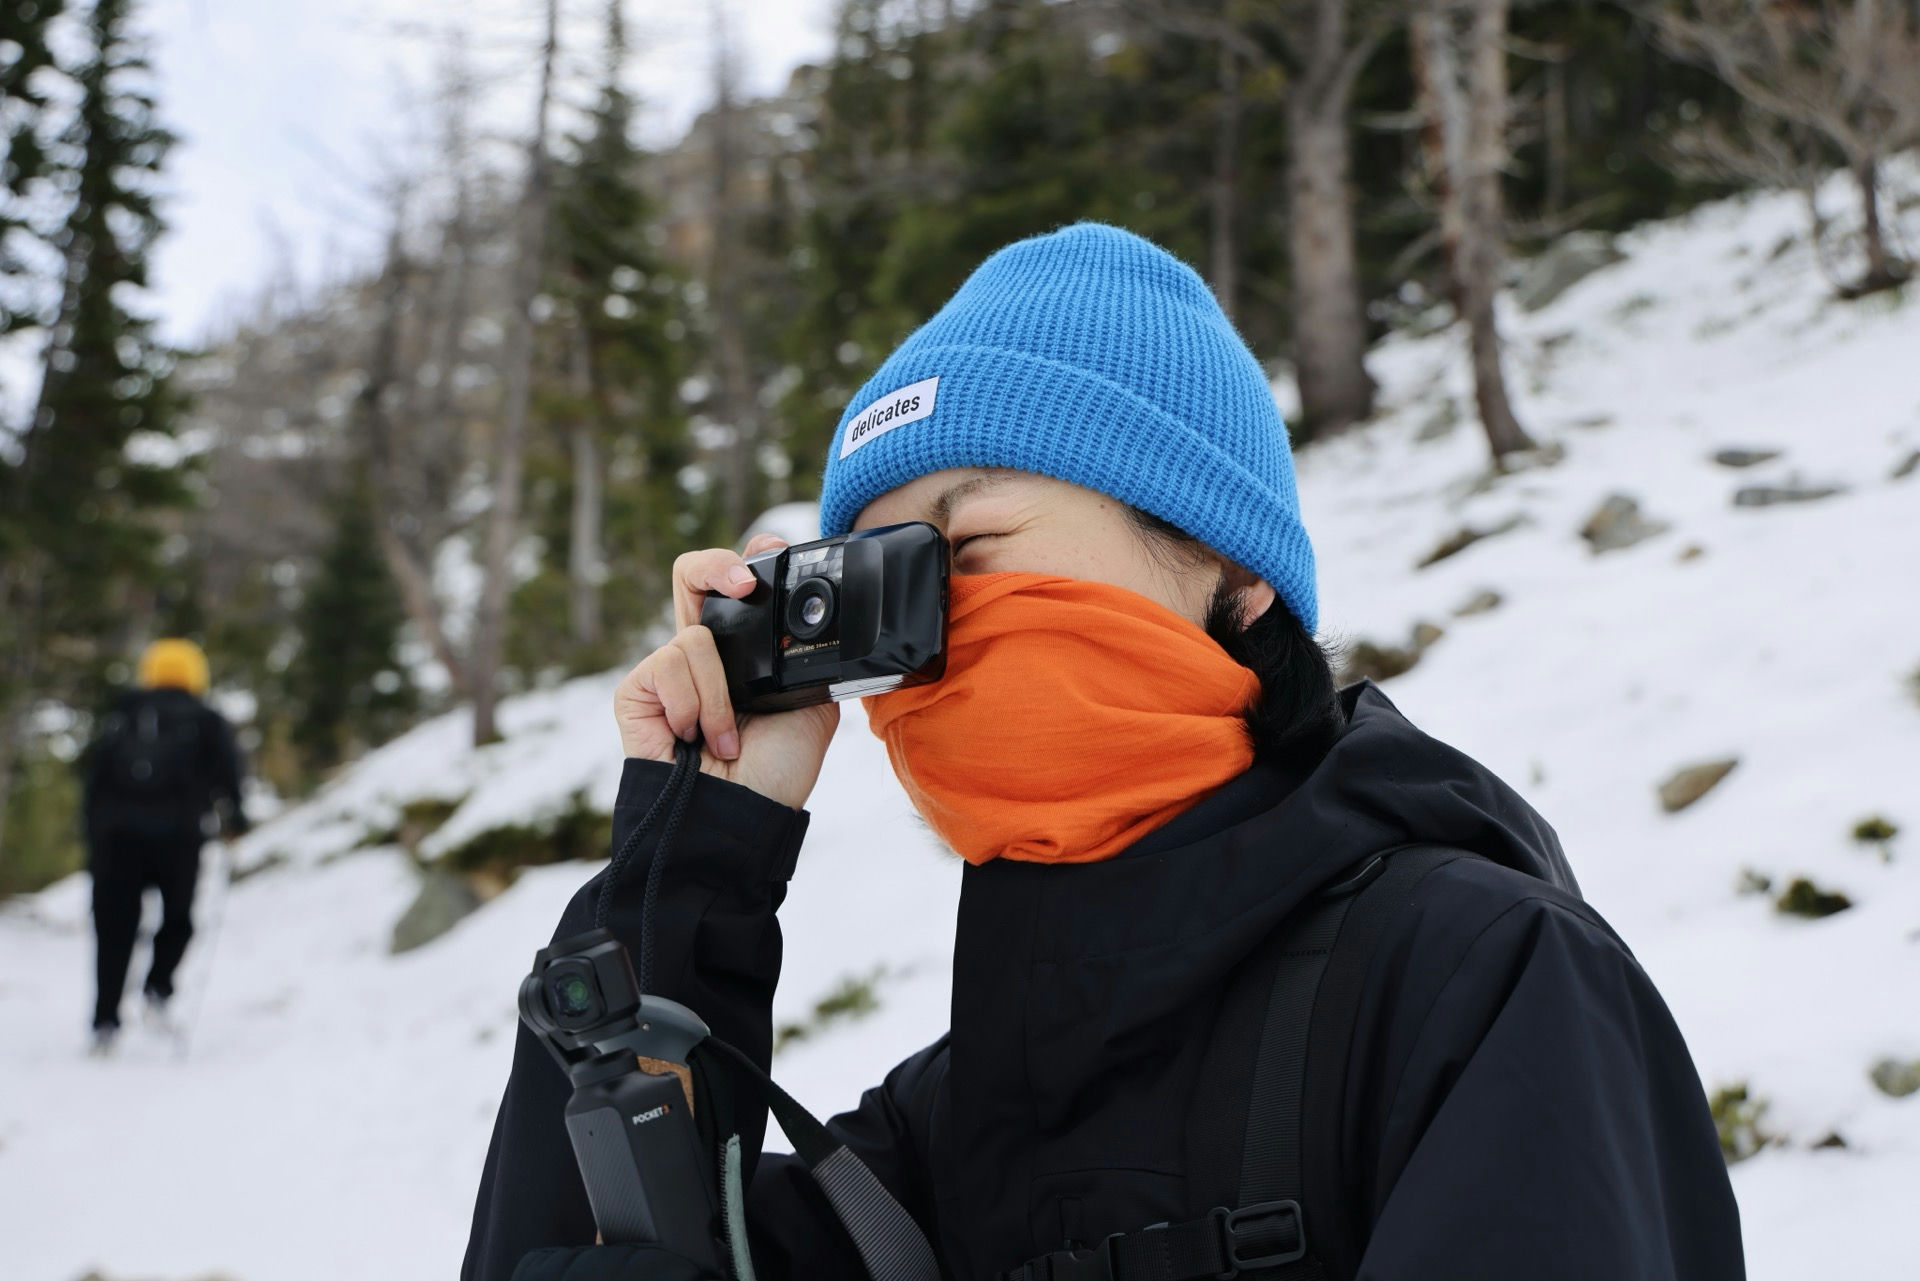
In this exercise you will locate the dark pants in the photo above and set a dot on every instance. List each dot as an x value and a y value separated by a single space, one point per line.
124 864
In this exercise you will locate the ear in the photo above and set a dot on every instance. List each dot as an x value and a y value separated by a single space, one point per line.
1255 600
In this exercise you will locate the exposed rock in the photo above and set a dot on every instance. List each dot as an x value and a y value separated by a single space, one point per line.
1479 603
1370 662
1896 1078
1593 422
1691 552
1618 524
1752 882
1464 537
1694 781
1568 261
1366 660
1908 465
1791 492
1745 457
1803 898
443 902
1831 1139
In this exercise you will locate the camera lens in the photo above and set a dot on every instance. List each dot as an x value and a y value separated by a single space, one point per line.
810 609
575 993
572 994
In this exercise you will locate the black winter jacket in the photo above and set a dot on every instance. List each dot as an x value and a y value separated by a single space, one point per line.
1521 1104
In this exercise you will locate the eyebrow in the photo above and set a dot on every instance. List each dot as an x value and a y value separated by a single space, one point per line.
943 506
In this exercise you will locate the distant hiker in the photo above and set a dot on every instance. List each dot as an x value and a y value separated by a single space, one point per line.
1251 977
162 765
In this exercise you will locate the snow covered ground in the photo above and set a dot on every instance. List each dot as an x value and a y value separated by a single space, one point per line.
331 1113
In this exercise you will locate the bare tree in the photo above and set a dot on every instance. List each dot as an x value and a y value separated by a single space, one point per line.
401 522
586 569
1329 319
1460 70
1846 70
510 444
736 403
1321 48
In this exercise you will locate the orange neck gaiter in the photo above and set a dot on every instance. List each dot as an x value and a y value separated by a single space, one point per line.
1074 718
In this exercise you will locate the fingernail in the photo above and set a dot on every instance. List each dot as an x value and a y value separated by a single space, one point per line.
740 575
727 744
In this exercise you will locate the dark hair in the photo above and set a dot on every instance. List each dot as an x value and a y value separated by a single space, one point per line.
1298 715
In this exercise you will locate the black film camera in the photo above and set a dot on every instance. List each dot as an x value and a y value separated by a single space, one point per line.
647 1173
841 618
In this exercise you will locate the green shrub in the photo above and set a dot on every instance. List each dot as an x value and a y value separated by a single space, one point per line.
577 832
1739 1119
1803 898
40 830
855 998
1877 831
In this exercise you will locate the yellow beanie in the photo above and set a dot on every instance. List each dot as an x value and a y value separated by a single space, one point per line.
174 663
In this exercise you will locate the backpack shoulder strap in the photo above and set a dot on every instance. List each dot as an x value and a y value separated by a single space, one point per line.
1297 1108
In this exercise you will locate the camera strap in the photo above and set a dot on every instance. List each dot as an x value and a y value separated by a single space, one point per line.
890 1243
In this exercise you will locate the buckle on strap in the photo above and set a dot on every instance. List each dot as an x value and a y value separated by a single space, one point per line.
1263 1235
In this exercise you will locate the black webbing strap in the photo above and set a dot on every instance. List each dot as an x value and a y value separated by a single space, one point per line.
1338 1232
890 1243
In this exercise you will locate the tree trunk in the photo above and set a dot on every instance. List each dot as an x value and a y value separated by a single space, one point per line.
1329 318
409 572
1225 251
585 570
1880 272
737 406
1466 143
1559 150
503 522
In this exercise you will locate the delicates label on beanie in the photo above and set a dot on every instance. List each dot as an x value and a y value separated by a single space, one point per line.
910 404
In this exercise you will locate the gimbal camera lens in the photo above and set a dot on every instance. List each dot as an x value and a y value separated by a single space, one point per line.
572 993
810 609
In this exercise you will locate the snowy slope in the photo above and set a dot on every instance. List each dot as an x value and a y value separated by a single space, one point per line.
332 1113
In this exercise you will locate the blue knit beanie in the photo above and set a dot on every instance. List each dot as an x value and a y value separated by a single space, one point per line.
1096 357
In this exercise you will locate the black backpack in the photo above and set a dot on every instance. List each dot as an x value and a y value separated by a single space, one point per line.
151 753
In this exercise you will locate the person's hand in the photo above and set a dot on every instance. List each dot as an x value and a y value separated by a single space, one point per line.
680 688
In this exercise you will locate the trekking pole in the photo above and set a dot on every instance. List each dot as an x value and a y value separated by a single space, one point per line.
183 1042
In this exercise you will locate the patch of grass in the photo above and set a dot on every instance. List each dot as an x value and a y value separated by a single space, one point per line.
855 998
577 832
273 860
1803 898
1739 1117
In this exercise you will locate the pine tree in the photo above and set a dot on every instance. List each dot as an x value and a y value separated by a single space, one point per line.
347 686
81 551
24 163
605 490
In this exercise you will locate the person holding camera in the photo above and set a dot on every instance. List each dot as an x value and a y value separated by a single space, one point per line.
1251 976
